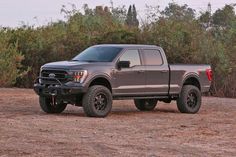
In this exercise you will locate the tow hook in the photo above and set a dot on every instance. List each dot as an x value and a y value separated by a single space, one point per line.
53 92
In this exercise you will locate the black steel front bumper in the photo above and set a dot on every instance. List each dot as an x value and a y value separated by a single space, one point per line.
59 89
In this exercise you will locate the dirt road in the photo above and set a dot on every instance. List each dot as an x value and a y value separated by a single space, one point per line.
26 131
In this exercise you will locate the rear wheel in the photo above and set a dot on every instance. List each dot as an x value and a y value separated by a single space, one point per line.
49 105
189 100
145 104
97 102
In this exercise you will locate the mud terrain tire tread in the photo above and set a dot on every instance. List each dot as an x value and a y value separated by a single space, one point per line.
182 100
88 101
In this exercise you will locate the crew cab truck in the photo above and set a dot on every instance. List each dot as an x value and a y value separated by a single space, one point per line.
103 73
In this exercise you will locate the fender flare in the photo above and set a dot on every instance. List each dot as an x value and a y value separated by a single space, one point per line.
99 75
191 75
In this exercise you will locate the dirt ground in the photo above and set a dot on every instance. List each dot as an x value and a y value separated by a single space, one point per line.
26 131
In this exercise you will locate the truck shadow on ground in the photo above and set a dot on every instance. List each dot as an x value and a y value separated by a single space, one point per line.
130 112
11 112
118 112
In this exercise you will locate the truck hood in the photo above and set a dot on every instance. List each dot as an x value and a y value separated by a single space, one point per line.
72 65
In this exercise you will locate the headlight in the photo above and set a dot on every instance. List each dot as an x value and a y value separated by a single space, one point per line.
80 76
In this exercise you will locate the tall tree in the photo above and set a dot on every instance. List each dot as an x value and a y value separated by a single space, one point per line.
135 20
131 18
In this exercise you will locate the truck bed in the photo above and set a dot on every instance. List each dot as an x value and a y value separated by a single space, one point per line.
179 73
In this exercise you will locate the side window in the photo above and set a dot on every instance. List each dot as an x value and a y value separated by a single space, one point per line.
132 56
152 57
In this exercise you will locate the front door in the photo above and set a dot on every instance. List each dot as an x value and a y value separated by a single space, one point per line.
131 80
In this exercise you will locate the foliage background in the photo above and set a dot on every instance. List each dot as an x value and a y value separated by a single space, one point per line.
187 38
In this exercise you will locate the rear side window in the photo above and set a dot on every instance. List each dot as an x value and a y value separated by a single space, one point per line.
132 56
152 57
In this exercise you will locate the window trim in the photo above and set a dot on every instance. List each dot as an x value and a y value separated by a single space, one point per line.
127 49
143 57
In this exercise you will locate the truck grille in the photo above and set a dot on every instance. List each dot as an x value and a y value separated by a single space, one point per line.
61 75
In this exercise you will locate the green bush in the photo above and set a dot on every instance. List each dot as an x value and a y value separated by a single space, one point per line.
10 62
185 38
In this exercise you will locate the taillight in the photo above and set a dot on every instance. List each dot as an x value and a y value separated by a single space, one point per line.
209 74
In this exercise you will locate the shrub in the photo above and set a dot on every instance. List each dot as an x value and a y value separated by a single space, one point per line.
10 63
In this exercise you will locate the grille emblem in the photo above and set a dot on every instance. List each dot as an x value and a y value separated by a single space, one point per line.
52 75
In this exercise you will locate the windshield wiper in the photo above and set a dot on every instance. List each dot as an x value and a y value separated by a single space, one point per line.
89 61
74 60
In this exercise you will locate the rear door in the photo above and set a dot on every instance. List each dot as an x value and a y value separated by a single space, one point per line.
130 81
157 73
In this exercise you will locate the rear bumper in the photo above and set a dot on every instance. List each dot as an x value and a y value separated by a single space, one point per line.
58 89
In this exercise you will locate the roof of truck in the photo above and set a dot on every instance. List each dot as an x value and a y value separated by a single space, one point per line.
129 45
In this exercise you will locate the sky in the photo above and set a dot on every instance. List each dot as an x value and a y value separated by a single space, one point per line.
14 13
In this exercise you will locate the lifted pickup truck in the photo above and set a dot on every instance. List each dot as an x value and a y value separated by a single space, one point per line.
102 73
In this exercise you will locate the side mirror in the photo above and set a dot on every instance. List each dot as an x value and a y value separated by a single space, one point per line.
123 64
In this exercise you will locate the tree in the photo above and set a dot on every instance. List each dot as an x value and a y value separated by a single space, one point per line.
10 60
177 12
131 18
134 18
224 17
119 14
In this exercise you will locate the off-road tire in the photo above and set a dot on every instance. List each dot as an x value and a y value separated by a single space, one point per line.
145 104
189 100
97 102
47 106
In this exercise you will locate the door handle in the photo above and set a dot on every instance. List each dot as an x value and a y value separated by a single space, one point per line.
164 71
141 71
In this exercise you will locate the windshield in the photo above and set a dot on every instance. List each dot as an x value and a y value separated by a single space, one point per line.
98 54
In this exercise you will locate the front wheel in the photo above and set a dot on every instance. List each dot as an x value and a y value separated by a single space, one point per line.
49 105
189 100
97 102
145 104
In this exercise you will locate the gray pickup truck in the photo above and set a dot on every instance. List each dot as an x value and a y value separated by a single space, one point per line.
103 73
